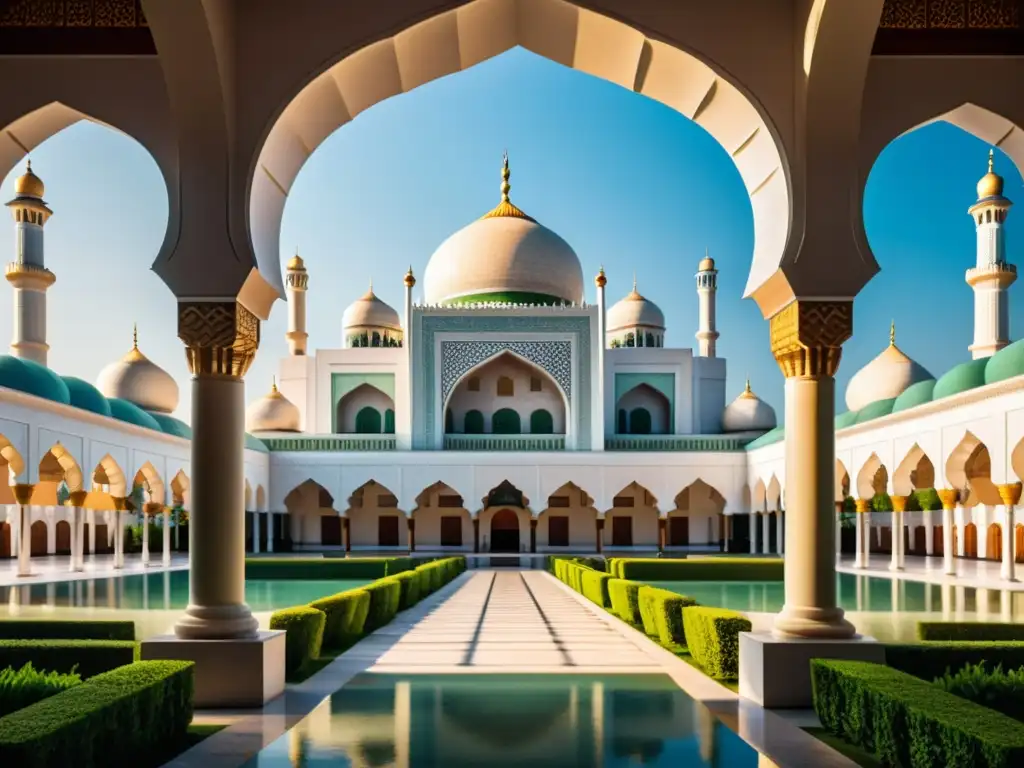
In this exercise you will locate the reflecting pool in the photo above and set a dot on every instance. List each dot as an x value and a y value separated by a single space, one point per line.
508 721
167 590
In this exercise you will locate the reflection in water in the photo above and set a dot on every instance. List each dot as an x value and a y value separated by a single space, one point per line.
499 721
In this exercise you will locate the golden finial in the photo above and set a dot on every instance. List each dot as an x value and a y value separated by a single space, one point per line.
506 209
273 383
28 165
410 278
135 335
892 334
601 281
991 159
634 281
991 184
505 173
747 393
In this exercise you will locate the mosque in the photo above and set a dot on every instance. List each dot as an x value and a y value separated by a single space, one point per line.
509 413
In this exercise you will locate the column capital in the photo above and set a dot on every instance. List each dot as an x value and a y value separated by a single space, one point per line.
807 337
948 496
120 503
220 337
863 505
1009 493
23 492
152 508
899 503
77 499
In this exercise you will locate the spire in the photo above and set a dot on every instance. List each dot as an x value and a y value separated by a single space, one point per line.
273 383
634 281
892 334
410 278
747 393
506 208
505 173
991 160
135 335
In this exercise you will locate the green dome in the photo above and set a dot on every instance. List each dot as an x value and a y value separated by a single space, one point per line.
171 425
875 410
767 438
85 396
255 444
1006 363
915 395
846 419
960 379
33 379
122 410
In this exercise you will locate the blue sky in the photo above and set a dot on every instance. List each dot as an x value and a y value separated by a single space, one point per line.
630 183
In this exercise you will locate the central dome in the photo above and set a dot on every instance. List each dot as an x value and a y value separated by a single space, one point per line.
885 377
506 256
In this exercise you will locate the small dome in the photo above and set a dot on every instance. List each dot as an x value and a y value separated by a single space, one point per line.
1006 363
28 184
122 410
138 380
991 184
33 379
961 378
85 396
634 310
915 395
272 413
707 264
885 377
748 413
370 312
172 426
296 264
506 256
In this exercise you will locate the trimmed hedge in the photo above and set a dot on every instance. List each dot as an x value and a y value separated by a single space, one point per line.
345 615
625 600
86 657
23 687
385 595
904 721
51 629
594 587
304 634
932 660
713 639
661 612
709 569
113 719
410 594
969 630
319 568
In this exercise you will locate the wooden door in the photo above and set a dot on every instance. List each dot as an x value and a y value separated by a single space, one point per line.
994 542
387 531
938 541
970 540
330 530
38 538
63 538
451 531
920 540
678 531
622 531
558 530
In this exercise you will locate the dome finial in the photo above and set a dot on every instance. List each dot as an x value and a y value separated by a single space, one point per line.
273 383
505 173
634 281
135 335
991 159
892 334
28 165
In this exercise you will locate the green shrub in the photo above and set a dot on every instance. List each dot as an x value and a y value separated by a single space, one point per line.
661 612
426 583
345 614
932 660
396 565
595 587
707 569
318 568
995 689
112 719
19 688
968 630
87 657
53 629
385 595
624 598
304 634
410 595
713 639
908 722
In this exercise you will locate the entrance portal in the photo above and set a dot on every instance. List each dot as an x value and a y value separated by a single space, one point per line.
505 531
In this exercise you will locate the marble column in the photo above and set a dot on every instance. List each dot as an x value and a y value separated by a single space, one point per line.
839 530
221 339
929 531
119 507
1010 495
949 497
78 532
149 510
166 559
899 506
766 527
727 535
23 495
255 533
807 338
862 559
780 531
753 531
270 531
662 523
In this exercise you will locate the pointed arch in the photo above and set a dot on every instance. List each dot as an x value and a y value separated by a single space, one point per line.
308 496
441 518
58 465
759 497
374 519
842 482
633 520
773 494
872 478
152 483
915 471
701 497
247 503
109 473
745 498
180 486
363 410
11 457
261 499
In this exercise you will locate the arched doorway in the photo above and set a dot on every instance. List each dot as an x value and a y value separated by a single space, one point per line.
505 531
38 538
970 540
63 538
505 421
5 539
1019 544
994 543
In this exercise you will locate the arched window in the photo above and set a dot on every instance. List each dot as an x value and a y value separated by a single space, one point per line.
541 422
505 421
505 387
650 340
474 423
622 426
375 339
473 385
368 421
630 341
389 422
449 422
640 421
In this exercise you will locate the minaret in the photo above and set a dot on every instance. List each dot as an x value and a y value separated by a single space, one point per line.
707 285
296 282
28 273
410 283
602 346
991 276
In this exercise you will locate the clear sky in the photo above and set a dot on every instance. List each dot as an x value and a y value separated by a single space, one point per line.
628 182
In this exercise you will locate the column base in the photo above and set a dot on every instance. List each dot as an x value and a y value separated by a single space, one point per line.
776 672
812 624
223 622
247 672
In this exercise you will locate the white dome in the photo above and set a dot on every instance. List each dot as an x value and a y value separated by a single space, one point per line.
635 310
272 413
506 254
370 312
748 413
885 377
139 380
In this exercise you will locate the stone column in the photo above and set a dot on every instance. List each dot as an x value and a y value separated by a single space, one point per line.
1010 495
899 506
727 531
23 495
862 557
780 531
948 497
753 532
255 532
149 510
221 338
119 507
76 502
270 531
766 527
929 531
839 530
807 338
166 559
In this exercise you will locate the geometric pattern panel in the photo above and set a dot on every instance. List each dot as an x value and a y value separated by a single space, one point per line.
460 357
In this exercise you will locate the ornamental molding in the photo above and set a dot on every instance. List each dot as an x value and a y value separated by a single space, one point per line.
460 357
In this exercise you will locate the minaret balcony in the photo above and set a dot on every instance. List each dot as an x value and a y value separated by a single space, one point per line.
1004 274
21 271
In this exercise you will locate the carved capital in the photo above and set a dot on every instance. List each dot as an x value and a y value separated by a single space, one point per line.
77 498
1009 493
23 492
153 508
807 337
899 503
948 496
120 503
221 337
863 505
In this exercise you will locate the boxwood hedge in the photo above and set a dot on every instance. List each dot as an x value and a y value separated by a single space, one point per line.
86 657
54 629
932 660
625 600
323 568
661 612
713 639
969 630
345 615
304 634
